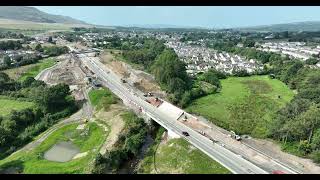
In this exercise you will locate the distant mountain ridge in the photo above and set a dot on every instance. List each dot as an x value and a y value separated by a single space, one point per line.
25 13
162 26
294 26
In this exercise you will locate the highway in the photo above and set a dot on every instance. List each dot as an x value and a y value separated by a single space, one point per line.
235 163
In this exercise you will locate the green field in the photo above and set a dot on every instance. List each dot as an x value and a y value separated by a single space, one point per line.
31 70
27 25
245 104
101 98
179 157
35 70
7 105
32 162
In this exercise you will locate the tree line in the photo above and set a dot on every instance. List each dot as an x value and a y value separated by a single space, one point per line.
25 59
298 122
10 45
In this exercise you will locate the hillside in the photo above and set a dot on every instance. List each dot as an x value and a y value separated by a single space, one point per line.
32 14
297 26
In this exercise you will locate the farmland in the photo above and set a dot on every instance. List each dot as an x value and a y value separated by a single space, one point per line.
7 105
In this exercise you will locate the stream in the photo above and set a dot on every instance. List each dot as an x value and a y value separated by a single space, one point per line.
130 166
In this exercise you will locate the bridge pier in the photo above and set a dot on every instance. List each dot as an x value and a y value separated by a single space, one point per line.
173 135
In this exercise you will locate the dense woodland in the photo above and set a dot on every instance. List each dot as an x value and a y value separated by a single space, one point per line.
299 121
19 127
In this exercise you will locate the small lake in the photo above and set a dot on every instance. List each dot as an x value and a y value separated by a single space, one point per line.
62 152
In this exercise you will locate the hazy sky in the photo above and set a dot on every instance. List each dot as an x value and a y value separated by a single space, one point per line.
212 17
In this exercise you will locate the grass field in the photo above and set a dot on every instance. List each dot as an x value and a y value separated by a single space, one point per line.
35 70
101 98
31 70
27 25
32 162
7 105
178 156
245 104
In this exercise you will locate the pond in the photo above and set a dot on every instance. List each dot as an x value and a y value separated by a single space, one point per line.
62 152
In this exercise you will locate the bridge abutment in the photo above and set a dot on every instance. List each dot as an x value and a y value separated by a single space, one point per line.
173 135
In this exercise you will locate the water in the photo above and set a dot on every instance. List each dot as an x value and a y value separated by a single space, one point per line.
62 152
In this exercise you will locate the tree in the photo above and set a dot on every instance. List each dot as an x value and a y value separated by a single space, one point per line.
316 156
7 60
28 82
7 131
168 70
186 99
54 98
39 48
315 142
248 43
50 39
240 73
212 78
305 147
312 61
308 121
4 78
18 58
292 71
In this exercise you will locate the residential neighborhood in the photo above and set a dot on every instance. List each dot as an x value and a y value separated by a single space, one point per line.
201 59
293 49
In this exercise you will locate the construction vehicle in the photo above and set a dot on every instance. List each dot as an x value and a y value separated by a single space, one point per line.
202 133
235 136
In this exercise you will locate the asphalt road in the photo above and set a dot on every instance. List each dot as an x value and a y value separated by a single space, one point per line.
235 163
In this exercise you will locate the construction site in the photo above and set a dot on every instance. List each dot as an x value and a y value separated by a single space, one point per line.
68 70
136 78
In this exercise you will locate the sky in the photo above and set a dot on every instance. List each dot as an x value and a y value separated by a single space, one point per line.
197 16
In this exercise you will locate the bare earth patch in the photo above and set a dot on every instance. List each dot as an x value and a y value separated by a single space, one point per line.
113 119
141 80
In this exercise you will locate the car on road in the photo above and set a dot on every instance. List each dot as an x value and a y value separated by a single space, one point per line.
214 141
185 133
278 172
